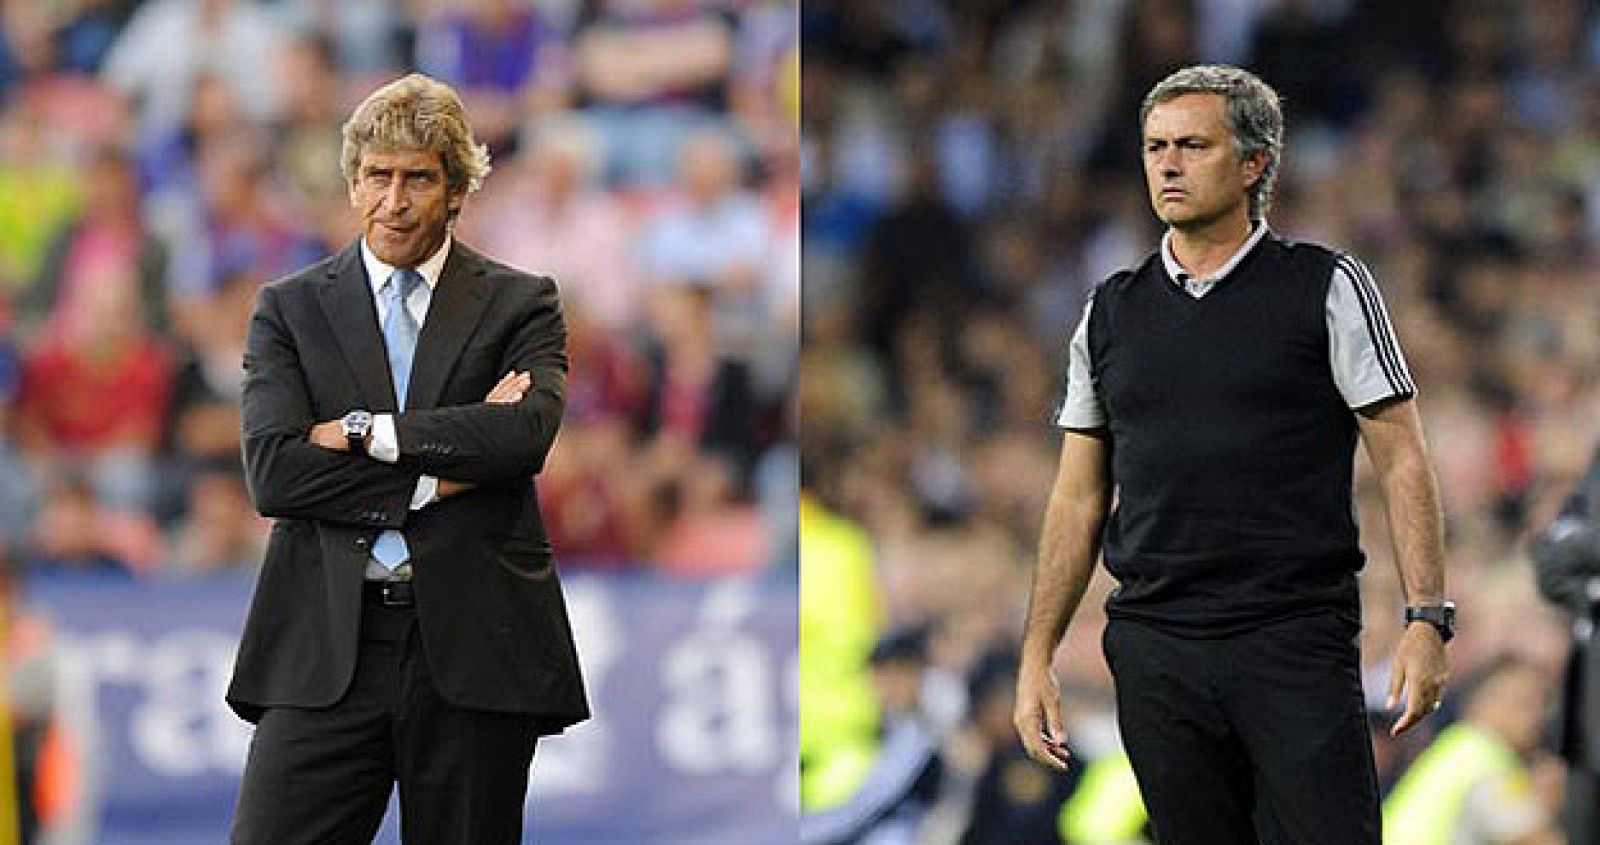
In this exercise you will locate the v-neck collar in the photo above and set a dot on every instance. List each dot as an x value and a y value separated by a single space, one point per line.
1180 279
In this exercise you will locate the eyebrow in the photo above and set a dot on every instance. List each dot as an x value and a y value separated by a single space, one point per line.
376 170
1181 139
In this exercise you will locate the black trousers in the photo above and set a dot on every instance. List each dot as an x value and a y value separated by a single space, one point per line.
324 776
1256 737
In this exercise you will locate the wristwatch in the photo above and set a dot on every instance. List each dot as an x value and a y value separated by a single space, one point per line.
356 426
1441 616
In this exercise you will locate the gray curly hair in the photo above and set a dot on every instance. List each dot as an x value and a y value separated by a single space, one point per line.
1255 114
416 112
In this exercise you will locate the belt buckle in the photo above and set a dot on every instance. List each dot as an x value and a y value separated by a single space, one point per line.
397 594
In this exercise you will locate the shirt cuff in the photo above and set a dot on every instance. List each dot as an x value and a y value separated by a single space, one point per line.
427 492
384 446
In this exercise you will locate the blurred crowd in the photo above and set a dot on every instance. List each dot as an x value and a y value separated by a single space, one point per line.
160 161
970 170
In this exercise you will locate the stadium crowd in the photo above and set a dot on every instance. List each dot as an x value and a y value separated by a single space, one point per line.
969 171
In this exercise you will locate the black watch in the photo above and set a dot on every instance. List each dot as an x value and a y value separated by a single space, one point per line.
356 426
1441 616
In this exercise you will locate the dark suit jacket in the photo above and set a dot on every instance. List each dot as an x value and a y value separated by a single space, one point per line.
493 622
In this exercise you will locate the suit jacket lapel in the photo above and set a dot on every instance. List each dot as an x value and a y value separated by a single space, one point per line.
347 300
458 303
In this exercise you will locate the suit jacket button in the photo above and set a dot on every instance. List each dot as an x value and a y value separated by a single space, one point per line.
361 541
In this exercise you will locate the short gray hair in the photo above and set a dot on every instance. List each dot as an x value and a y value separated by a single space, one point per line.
1255 114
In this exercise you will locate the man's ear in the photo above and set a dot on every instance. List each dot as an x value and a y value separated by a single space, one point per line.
1254 166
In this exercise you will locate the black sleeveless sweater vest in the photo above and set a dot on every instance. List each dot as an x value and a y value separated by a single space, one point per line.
1231 448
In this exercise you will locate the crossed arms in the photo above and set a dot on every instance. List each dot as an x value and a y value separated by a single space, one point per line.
295 470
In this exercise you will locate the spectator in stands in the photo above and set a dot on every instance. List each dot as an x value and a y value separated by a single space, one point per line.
716 235
202 420
75 532
370 37
765 72
647 72
97 394
841 617
504 56
550 215
598 507
701 397
305 148
169 161
108 243
1474 784
39 192
244 230
220 531
894 797
714 527
168 44
84 38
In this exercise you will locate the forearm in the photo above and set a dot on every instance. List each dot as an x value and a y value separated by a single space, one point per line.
480 443
291 478
1069 546
1411 498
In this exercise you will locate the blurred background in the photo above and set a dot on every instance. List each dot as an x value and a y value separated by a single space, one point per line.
969 170
161 160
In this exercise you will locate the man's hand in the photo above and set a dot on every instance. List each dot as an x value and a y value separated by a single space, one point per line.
448 488
329 435
1419 672
508 391
1038 717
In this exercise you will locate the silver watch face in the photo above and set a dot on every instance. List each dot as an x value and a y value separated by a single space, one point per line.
356 424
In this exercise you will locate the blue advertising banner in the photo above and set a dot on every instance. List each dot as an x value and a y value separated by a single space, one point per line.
694 687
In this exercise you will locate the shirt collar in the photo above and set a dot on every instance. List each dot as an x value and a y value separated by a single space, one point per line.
379 272
1176 272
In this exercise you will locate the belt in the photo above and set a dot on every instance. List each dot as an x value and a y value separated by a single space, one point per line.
398 594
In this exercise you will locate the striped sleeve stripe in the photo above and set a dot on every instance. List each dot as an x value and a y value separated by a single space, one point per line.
1378 326
1391 340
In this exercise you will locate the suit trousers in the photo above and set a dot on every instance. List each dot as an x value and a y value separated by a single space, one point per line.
325 775
1255 737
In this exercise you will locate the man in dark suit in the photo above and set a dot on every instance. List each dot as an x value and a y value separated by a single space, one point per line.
408 625
1567 558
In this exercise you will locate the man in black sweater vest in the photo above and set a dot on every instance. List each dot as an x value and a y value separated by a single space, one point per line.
1219 389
